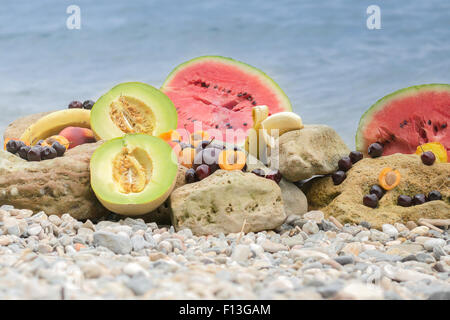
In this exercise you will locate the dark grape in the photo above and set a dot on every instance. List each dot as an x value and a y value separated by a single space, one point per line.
428 158
274 175
404 201
202 171
14 145
209 156
345 164
190 176
419 199
48 153
355 156
375 150
23 152
259 172
370 200
35 153
75 105
377 190
338 177
59 148
434 195
88 104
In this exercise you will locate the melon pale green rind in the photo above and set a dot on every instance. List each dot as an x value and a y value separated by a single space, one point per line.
284 100
381 103
161 105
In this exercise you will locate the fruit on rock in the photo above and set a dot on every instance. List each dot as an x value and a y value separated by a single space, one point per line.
133 174
279 123
428 158
52 124
269 127
76 136
407 118
57 138
389 178
170 135
437 148
219 93
231 160
132 107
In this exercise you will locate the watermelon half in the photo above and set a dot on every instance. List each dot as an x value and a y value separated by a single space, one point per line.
407 118
220 93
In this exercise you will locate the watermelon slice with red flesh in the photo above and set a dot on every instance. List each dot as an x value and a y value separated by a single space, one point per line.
221 92
407 118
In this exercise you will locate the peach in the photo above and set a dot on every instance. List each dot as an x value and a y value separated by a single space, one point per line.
77 136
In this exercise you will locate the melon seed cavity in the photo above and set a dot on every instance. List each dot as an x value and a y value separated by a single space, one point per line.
131 115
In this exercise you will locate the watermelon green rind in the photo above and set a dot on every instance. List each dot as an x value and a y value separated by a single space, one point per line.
284 100
379 105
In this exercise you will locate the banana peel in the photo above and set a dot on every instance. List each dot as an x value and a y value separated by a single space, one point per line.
54 122
263 133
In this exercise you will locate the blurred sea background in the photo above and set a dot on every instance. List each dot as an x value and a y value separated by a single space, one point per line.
321 53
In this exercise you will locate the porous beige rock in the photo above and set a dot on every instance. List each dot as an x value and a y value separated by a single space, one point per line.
344 201
224 200
56 186
313 150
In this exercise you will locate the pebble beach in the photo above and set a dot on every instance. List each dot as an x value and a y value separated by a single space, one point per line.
308 257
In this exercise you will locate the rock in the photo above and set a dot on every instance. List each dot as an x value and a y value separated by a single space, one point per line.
222 202
400 274
344 201
314 215
440 295
405 249
294 200
390 230
34 230
310 227
13 226
411 225
421 231
343 260
117 243
376 235
241 253
57 186
273 247
430 244
359 291
354 248
313 150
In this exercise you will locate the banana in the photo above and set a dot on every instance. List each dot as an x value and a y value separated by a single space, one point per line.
54 122
281 121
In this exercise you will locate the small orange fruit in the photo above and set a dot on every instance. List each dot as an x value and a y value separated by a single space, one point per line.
170 135
62 140
231 160
186 157
199 136
79 246
389 178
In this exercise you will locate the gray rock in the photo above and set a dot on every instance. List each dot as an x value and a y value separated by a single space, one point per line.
390 230
138 242
430 244
425 257
118 243
139 285
376 235
440 295
343 260
294 200
310 227
313 150
241 253
380 256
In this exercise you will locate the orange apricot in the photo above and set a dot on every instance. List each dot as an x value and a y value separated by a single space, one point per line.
61 139
389 178
186 157
170 135
231 160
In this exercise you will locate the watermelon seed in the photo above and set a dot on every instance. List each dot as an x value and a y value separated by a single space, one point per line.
429 122
228 91
254 103
239 95
217 126
244 94
245 124
215 87
435 129
444 126
249 98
